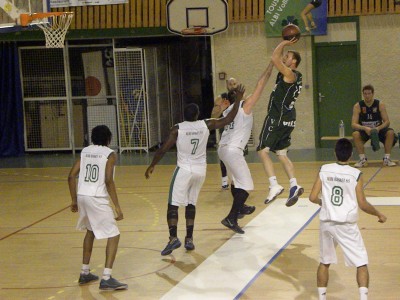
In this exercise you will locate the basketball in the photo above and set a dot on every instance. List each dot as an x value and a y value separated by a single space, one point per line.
290 31
92 86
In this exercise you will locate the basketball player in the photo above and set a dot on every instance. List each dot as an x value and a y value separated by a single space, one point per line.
190 138
220 102
216 113
307 16
280 121
95 186
233 142
342 195
370 114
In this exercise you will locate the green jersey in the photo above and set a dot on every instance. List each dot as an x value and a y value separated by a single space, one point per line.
282 99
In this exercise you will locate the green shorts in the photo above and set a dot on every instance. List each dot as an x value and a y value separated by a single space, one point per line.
275 137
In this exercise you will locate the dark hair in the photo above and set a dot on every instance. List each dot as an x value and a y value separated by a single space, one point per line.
191 112
368 87
343 150
296 56
231 96
101 135
224 95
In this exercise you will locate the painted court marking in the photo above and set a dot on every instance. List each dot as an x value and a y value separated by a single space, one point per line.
230 270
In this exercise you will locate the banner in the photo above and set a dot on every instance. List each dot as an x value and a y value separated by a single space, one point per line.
67 3
310 16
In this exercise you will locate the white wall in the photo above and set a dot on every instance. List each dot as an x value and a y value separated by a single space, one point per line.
244 51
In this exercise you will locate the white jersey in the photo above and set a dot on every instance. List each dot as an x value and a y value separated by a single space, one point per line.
339 200
237 133
192 146
93 171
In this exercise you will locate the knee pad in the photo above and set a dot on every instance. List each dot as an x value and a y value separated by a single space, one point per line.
282 152
190 211
172 212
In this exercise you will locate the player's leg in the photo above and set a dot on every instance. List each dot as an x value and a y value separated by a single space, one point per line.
359 138
190 215
389 140
304 14
84 223
224 176
322 280
363 281
85 275
295 190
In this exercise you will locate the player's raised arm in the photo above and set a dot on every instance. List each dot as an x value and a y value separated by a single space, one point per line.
262 81
278 61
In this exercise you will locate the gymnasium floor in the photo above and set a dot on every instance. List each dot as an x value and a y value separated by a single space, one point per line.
40 250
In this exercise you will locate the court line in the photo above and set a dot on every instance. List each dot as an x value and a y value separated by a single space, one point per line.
34 223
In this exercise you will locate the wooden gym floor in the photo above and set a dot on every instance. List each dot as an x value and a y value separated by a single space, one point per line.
40 250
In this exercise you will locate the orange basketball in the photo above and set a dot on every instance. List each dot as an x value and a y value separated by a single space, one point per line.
92 86
291 31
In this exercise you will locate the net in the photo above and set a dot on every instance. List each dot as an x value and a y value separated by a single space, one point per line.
54 25
56 29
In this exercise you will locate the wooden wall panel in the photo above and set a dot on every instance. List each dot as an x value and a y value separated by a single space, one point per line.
152 13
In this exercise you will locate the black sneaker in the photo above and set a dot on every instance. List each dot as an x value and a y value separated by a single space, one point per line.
83 278
232 225
295 192
173 244
112 284
246 210
189 244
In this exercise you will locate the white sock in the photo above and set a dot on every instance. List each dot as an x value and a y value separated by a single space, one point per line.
107 273
363 293
85 269
225 180
362 156
293 182
322 293
273 181
387 156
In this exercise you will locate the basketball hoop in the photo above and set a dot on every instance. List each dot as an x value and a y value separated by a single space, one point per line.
54 25
194 31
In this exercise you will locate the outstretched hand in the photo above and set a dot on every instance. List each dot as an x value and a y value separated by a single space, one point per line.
239 92
382 218
148 172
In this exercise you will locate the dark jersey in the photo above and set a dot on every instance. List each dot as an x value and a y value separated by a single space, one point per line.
370 116
283 97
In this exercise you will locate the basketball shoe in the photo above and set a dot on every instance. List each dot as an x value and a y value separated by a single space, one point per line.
232 225
363 162
174 243
112 284
86 278
294 194
387 162
274 191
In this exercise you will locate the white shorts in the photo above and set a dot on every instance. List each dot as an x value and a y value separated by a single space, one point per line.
237 167
96 214
185 187
349 238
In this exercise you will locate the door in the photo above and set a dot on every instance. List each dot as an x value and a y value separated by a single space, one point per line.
338 88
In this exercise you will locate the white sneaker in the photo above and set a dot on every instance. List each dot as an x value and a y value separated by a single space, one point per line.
361 163
388 162
274 191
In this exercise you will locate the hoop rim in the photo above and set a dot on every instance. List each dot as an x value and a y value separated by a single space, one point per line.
194 31
27 18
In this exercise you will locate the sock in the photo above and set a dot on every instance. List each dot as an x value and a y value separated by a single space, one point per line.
387 156
322 293
173 231
85 269
189 231
273 181
225 180
362 156
293 182
363 293
107 273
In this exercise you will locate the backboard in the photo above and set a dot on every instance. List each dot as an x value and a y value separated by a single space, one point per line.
197 17
11 9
